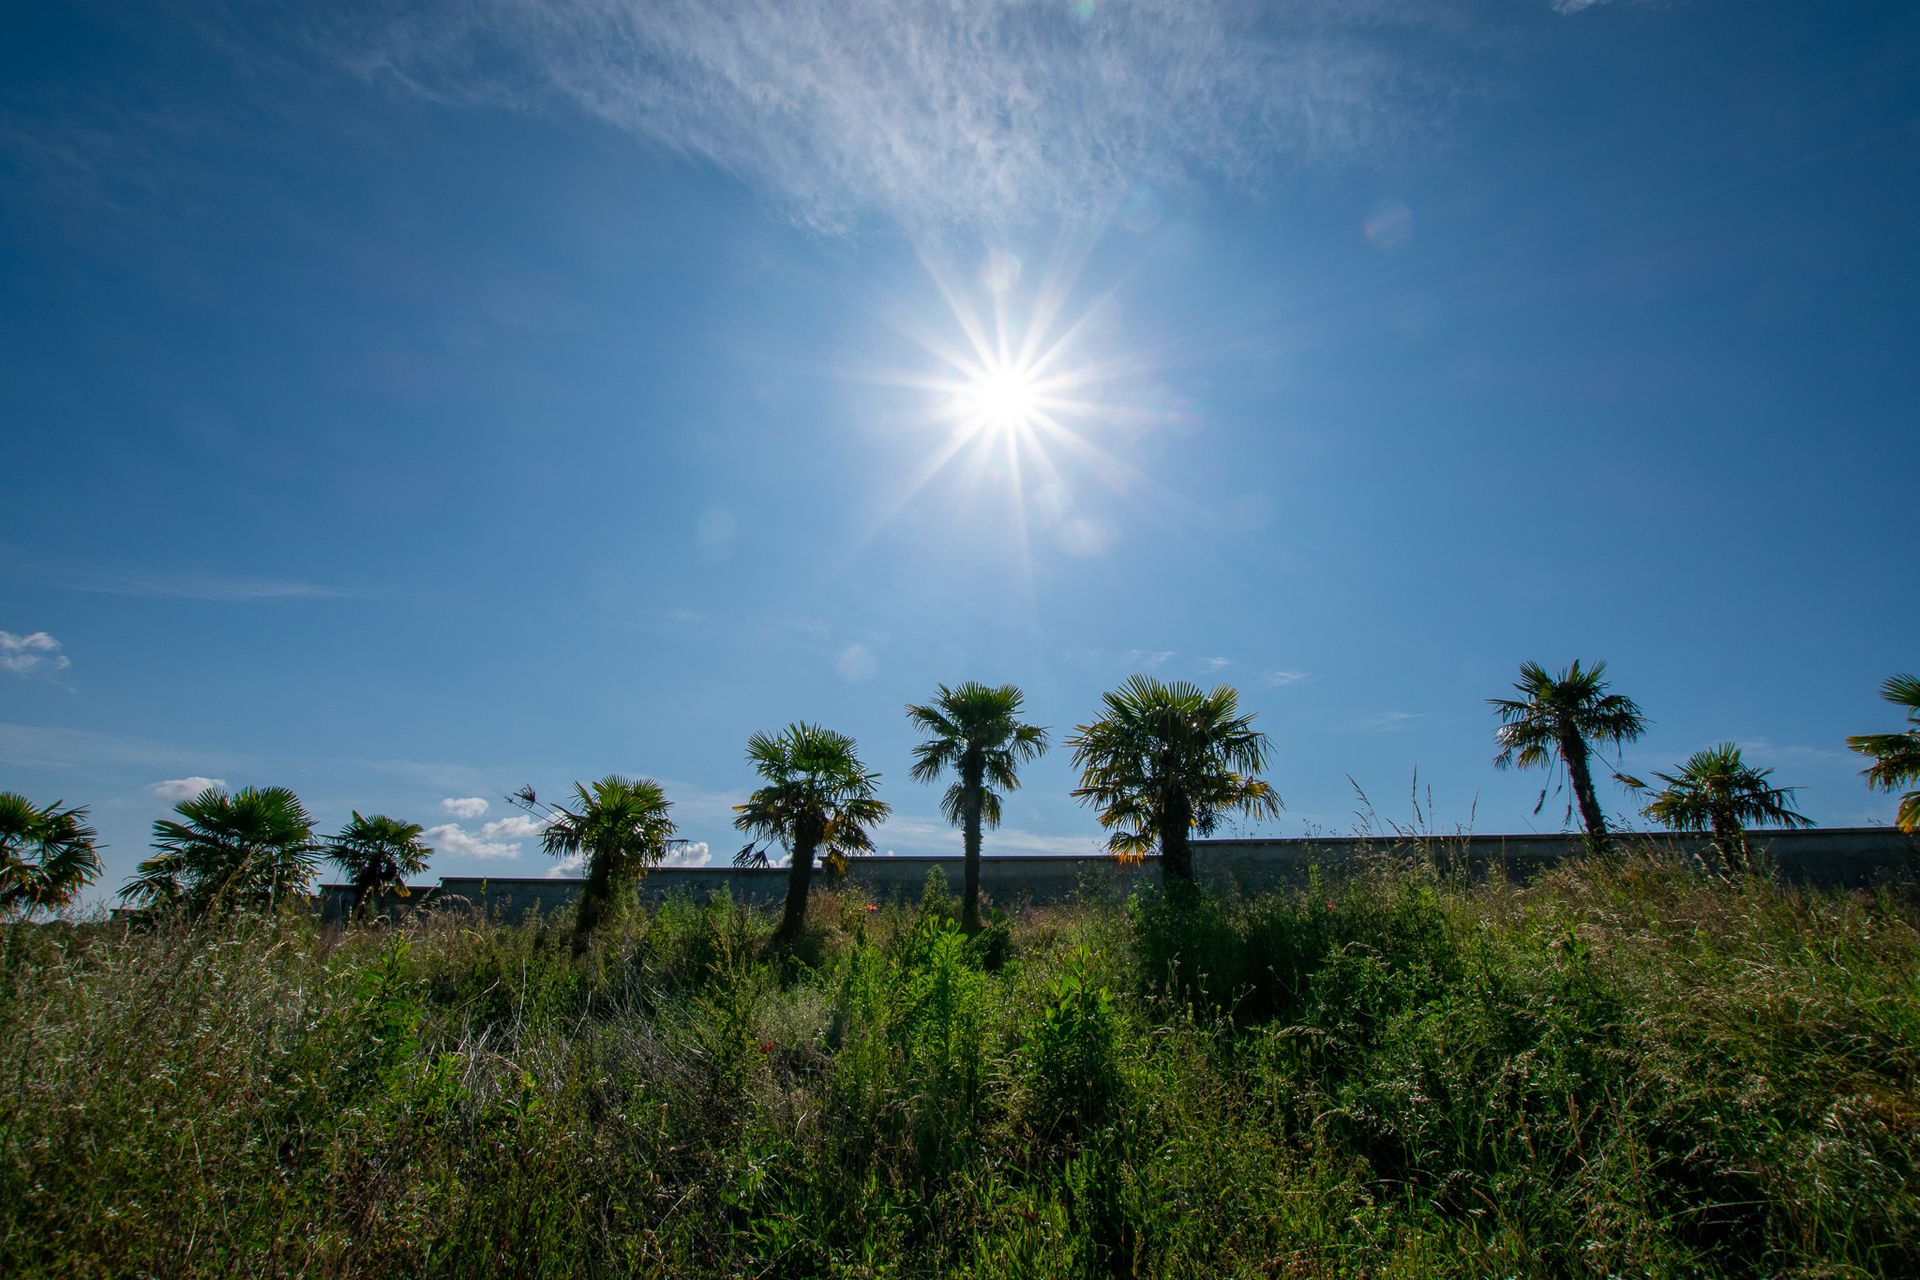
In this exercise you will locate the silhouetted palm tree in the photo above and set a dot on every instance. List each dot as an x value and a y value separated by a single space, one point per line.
975 731
1166 760
817 799
378 854
1558 717
1717 791
618 826
255 846
47 855
1896 756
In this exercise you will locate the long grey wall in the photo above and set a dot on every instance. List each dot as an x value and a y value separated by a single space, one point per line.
1836 857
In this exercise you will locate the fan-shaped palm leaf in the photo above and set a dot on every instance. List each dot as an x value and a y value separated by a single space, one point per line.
1167 760
378 854
816 799
255 846
1717 791
976 732
47 855
1557 718
1896 756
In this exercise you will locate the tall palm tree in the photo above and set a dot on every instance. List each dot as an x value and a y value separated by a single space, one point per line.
1559 717
1166 760
975 731
1896 756
1717 791
816 799
378 854
619 826
47 855
254 846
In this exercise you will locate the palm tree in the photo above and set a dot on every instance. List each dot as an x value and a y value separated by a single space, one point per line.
1717 791
46 855
1166 760
619 825
976 732
378 854
817 800
255 846
1896 756
1558 717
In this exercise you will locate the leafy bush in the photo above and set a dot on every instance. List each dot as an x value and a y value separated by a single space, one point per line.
1622 1068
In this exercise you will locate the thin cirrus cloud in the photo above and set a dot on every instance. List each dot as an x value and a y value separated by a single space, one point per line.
940 114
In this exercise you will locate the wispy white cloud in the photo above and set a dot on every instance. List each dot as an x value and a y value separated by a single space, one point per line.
1281 679
451 837
35 653
931 835
1212 665
1144 659
217 588
182 584
935 113
1385 721
37 746
465 806
174 790
856 663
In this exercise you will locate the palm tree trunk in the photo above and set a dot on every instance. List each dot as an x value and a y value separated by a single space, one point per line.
1731 838
1176 848
1573 749
593 904
799 884
970 898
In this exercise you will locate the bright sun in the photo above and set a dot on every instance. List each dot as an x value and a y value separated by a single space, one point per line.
999 398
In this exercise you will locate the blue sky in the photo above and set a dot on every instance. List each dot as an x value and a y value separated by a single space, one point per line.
404 405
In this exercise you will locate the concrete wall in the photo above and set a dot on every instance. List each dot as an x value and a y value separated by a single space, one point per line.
1851 857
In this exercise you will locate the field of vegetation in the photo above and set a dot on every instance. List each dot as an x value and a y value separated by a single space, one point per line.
1623 1068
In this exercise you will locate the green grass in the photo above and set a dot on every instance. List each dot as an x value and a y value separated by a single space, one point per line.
1617 1070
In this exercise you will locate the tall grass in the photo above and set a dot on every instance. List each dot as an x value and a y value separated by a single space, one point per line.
1619 1069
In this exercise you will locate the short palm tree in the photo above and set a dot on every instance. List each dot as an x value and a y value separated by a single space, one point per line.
1559 718
1896 756
47 855
1166 760
816 800
1717 791
255 846
619 826
976 732
378 854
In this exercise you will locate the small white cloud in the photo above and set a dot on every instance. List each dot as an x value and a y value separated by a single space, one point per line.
856 663
518 826
1145 660
35 652
464 806
694 853
1211 665
451 837
174 790
1280 679
567 866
